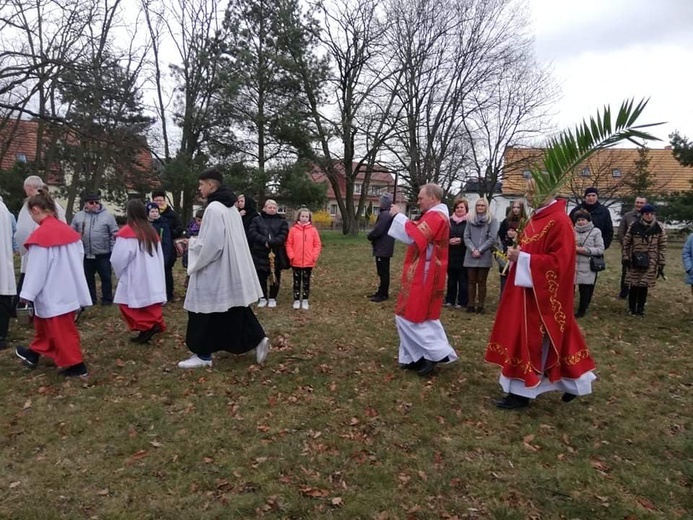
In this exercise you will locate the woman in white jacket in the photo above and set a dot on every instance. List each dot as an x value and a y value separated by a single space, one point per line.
138 262
588 243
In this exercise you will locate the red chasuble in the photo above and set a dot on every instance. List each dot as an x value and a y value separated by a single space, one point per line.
52 232
422 299
526 315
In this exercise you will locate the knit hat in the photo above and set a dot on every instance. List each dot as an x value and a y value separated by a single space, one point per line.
385 200
150 206
582 214
591 189
647 208
91 196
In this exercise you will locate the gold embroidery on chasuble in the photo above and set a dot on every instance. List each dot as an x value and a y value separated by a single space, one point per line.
556 307
537 236
576 358
511 361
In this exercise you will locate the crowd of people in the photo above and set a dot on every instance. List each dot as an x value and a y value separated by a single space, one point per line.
234 257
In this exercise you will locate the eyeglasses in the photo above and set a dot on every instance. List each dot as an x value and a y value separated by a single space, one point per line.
92 202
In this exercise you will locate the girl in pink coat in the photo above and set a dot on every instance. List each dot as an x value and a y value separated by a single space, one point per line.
303 248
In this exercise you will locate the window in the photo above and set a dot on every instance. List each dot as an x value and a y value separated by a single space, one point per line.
333 209
585 172
281 210
616 172
357 189
526 174
21 157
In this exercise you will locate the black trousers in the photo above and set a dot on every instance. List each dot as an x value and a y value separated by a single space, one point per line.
100 264
237 331
382 265
637 297
6 309
263 276
168 275
457 287
302 278
585 291
624 286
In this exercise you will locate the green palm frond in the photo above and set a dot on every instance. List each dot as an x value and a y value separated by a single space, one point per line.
572 147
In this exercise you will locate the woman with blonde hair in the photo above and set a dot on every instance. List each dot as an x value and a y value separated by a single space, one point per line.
479 238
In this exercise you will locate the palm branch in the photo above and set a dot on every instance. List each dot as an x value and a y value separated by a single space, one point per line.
572 147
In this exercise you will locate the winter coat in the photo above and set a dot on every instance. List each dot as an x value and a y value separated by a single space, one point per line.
601 218
643 237
167 247
383 244
627 219
589 237
457 252
303 245
97 229
481 236
687 257
272 230
249 213
174 223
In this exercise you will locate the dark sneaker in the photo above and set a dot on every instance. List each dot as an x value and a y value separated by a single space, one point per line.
3 343
78 370
378 299
471 310
28 356
512 402
146 335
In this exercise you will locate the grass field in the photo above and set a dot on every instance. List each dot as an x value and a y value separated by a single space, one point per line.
330 427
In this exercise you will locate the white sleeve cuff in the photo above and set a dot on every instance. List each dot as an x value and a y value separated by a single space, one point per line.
523 273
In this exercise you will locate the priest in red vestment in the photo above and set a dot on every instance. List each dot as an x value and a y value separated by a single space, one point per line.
535 338
423 342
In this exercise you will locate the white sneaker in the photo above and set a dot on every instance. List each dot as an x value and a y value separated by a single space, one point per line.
261 303
272 303
297 304
304 305
195 361
262 350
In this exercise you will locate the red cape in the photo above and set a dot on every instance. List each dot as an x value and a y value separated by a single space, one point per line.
52 232
126 232
525 315
422 300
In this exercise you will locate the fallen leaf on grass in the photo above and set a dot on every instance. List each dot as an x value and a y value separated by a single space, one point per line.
15 484
27 405
314 492
646 503
139 455
103 492
336 502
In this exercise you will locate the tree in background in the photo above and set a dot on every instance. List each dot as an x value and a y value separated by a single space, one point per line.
678 207
682 148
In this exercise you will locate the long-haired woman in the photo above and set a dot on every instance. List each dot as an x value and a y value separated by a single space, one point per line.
138 262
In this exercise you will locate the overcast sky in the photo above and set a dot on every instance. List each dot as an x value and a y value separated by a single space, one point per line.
604 51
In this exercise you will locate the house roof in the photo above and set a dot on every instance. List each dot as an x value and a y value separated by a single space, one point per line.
608 170
19 137
380 177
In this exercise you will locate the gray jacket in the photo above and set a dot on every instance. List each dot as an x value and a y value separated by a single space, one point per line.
481 236
97 230
590 237
626 220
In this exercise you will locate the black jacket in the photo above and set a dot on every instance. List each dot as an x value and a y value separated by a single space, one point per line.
383 244
601 218
174 223
272 230
456 253
167 247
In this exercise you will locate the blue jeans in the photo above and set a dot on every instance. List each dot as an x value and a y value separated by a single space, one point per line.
102 265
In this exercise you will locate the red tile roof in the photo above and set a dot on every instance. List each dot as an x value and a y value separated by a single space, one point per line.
607 171
380 177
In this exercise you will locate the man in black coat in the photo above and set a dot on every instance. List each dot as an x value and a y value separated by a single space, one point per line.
601 216
174 224
383 248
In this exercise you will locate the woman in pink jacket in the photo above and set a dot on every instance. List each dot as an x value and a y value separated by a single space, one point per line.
303 248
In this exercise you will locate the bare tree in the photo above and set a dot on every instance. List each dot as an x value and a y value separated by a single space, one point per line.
451 52
191 33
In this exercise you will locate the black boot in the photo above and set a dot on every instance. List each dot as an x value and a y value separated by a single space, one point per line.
512 402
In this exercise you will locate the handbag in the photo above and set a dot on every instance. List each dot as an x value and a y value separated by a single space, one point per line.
597 263
640 259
